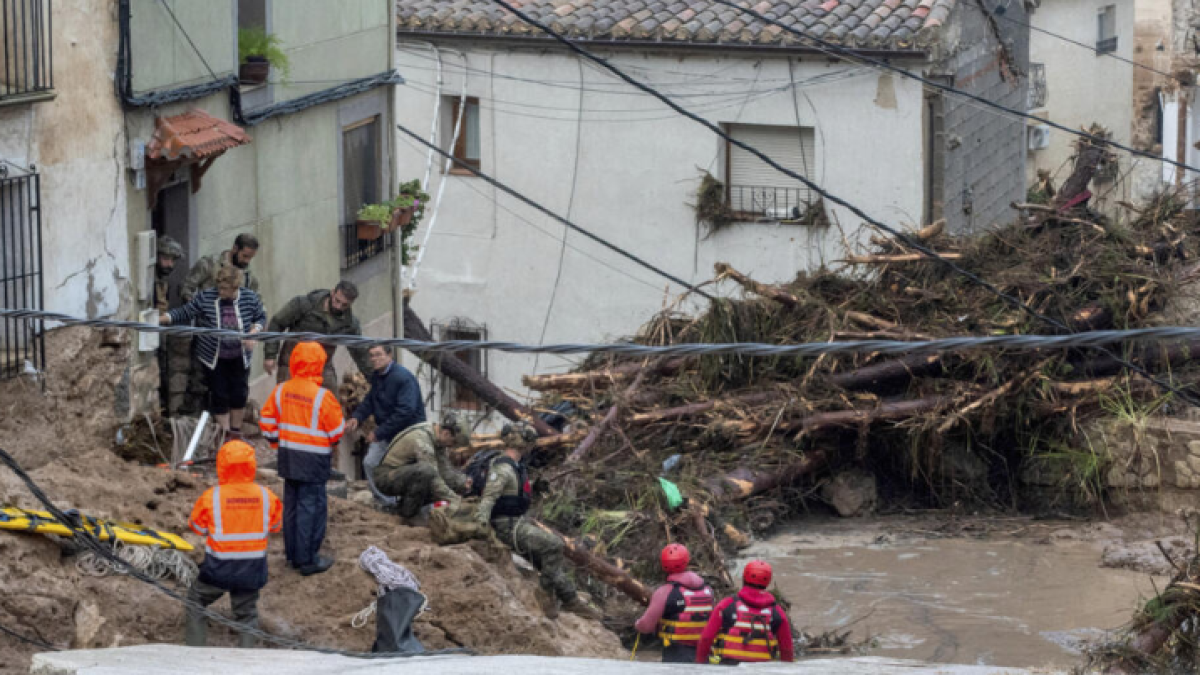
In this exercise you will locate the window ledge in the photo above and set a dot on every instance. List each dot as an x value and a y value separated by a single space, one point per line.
459 171
29 98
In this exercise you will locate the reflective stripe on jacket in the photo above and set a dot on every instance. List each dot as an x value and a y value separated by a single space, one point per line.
235 518
685 615
747 633
302 419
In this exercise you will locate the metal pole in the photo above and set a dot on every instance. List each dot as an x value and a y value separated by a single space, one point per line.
191 449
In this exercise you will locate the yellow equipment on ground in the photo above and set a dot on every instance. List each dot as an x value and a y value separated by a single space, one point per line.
42 522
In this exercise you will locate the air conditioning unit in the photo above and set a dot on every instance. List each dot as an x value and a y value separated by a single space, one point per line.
1038 136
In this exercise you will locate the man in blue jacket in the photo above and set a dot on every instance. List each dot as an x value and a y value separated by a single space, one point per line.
395 402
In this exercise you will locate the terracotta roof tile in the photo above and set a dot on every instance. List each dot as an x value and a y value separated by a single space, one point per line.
193 135
884 24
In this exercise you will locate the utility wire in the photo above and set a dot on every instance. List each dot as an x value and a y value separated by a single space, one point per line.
188 37
1090 339
1091 48
906 239
855 54
33 641
603 242
87 540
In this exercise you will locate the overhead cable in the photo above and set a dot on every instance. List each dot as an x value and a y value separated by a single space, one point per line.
855 54
599 240
1090 339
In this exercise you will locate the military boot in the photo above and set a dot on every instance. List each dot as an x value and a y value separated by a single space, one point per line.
578 607
548 603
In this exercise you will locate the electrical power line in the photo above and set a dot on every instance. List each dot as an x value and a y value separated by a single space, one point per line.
28 640
188 37
1090 339
902 237
513 193
855 54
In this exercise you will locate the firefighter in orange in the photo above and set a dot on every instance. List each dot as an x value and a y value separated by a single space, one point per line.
749 626
304 421
679 609
235 518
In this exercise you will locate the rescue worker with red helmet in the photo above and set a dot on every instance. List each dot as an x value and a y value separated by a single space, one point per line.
748 627
234 518
679 609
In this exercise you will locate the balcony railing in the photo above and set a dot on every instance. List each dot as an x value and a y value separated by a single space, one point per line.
28 57
1037 86
1106 45
356 251
755 202
22 346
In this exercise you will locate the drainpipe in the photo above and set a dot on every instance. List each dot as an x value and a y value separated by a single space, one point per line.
1181 136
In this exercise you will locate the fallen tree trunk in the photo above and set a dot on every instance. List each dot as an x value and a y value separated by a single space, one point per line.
466 375
885 411
600 568
886 258
462 453
895 371
724 271
743 483
1152 357
603 378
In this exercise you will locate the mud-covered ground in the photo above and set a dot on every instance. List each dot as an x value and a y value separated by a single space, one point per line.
479 598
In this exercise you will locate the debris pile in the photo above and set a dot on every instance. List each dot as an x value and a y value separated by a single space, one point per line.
749 440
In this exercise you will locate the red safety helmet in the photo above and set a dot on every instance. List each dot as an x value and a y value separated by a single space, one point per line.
675 558
757 573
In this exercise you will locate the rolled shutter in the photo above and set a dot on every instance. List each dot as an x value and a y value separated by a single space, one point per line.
756 187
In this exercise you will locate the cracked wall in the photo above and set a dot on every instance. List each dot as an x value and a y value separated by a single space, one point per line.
76 142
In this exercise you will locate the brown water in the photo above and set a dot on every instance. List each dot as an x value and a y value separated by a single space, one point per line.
999 601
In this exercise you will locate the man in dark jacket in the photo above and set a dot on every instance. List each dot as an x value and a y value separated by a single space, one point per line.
395 403
325 312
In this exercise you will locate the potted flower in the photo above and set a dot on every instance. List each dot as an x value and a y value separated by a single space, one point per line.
409 206
374 220
258 50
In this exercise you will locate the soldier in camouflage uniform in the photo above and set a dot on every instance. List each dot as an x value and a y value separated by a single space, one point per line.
174 356
326 312
169 253
187 389
417 470
506 498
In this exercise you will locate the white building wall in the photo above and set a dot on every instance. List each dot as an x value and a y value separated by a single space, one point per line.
627 168
1084 87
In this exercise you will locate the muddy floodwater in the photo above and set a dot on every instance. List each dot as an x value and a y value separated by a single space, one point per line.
998 600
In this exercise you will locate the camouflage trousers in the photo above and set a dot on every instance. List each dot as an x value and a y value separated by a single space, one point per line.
413 486
541 548
183 390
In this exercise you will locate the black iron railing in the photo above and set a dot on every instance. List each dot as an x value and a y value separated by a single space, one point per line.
28 56
1106 45
356 251
754 202
22 344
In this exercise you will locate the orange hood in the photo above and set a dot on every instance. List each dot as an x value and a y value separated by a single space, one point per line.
307 361
236 463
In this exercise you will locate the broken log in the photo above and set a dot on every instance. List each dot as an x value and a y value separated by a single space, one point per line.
602 378
885 411
1152 357
467 376
609 419
887 258
889 373
744 483
463 453
600 568
1089 155
724 271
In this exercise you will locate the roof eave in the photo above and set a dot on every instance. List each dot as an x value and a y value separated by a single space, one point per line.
546 41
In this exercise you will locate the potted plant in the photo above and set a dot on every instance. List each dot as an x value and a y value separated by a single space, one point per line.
409 206
374 220
258 50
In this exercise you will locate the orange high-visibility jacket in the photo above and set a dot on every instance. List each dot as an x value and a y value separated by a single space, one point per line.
302 419
235 518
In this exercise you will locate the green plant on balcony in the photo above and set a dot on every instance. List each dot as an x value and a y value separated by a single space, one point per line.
403 214
258 51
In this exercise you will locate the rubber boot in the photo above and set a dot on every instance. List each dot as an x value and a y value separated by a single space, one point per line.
578 607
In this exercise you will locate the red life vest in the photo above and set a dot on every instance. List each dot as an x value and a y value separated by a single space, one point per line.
686 615
747 633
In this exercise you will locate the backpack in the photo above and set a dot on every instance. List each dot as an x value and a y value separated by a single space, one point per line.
477 470
455 523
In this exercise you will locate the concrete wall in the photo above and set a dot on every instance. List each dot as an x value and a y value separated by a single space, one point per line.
76 142
1075 95
627 168
351 39
983 149
161 55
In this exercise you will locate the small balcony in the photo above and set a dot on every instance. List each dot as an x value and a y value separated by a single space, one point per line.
357 251
1037 86
751 202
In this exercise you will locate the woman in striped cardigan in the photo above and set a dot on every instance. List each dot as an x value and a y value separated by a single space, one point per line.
226 360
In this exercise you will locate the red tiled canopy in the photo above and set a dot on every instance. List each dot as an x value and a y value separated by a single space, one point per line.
194 135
